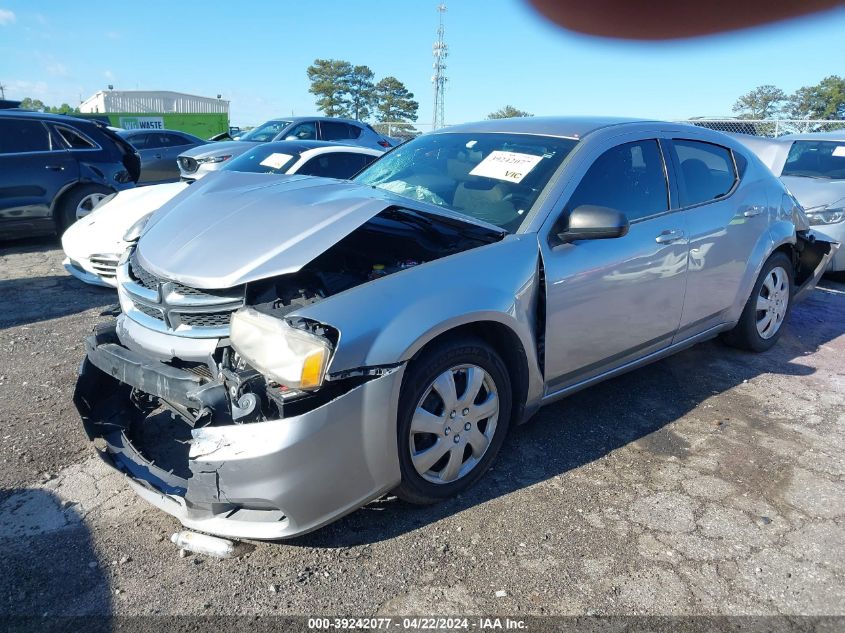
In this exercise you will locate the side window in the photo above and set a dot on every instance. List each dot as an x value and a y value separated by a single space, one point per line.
74 139
629 178
707 171
304 131
339 165
174 140
21 135
354 131
138 141
333 131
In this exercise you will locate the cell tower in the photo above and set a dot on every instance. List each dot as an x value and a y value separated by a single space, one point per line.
440 51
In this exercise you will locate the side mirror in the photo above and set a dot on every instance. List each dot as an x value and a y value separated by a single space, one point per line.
591 222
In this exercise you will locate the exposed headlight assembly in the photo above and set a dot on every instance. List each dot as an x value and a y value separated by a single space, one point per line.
136 229
825 216
284 354
214 159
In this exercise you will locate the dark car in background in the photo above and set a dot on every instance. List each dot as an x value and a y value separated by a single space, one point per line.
158 150
54 169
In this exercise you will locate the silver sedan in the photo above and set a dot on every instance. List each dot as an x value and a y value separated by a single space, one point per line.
290 350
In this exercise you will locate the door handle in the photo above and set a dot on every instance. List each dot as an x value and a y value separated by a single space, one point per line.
55 167
158 155
750 212
669 236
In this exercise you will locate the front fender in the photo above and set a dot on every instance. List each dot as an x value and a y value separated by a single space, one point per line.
388 320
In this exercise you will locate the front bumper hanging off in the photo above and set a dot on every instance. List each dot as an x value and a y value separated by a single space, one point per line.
265 480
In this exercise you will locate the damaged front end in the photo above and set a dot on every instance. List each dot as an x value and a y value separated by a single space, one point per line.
228 454
244 428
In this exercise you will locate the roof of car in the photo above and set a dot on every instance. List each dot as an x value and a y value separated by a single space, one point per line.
302 146
296 119
569 127
123 132
834 135
29 114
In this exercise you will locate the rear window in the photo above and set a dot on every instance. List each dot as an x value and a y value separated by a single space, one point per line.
263 160
816 159
74 139
23 135
707 171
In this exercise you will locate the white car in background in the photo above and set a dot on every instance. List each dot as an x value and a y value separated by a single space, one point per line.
94 244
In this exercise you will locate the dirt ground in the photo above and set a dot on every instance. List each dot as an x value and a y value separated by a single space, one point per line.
709 483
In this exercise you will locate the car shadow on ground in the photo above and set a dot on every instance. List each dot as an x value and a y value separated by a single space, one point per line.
52 579
590 424
32 299
39 296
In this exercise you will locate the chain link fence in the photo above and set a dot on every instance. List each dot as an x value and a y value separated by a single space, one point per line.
768 127
757 127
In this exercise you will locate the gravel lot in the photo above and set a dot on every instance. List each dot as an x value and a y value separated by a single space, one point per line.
709 483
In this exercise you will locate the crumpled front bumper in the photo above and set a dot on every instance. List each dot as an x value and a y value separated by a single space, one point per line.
264 480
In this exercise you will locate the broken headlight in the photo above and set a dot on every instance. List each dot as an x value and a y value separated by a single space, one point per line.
286 355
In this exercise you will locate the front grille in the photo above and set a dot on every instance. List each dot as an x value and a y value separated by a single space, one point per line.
104 265
150 311
205 319
175 306
188 164
146 279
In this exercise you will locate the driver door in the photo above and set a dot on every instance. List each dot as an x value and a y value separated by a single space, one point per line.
612 301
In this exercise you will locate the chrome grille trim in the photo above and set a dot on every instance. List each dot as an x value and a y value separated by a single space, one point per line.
173 308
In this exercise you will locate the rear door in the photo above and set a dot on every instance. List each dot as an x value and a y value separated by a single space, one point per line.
34 169
725 223
150 146
612 301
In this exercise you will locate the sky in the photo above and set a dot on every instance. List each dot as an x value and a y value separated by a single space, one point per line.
500 52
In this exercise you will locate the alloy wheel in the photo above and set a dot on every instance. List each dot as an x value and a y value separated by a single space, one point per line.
453 424
772 302
88 203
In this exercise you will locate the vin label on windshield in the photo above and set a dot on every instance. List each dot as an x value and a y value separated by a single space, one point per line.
508 166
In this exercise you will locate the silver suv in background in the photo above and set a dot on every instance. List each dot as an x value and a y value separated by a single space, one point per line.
197 162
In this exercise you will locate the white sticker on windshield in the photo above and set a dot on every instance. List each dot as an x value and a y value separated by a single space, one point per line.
510 166
839 150
276 160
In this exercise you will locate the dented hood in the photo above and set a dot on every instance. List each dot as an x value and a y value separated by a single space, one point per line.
232 228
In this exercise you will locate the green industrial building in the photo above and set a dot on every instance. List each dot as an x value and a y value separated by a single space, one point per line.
159 109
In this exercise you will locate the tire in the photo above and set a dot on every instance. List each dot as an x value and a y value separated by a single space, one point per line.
774 289
78 202
457 432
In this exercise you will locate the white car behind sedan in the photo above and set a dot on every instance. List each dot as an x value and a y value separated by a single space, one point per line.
94 244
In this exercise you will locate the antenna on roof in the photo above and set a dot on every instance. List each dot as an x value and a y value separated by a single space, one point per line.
440 50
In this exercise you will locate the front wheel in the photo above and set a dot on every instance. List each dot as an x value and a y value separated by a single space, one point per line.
454 413
761 323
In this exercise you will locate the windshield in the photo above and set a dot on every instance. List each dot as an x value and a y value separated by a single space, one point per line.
816 159
265 132
491 177
263 160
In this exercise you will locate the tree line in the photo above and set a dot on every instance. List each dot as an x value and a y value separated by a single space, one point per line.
825 100
36 105
345 90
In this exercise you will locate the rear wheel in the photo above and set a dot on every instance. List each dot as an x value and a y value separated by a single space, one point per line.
762 319
79 202
454 413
